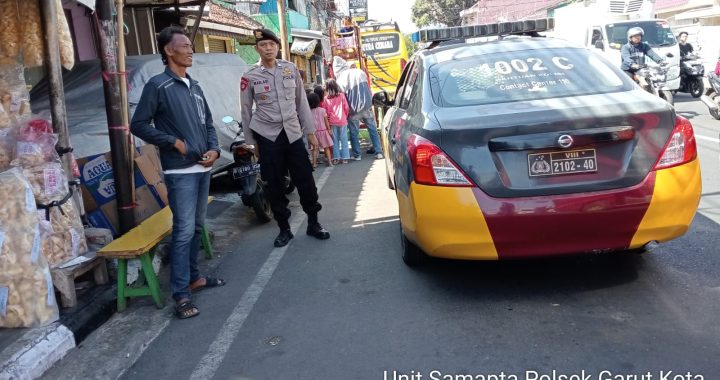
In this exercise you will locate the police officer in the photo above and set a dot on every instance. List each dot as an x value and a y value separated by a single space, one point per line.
276 127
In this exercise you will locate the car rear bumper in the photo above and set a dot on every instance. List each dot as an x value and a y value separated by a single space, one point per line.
675 200
466 223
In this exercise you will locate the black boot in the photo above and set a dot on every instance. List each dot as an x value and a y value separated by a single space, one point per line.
317 231
283 238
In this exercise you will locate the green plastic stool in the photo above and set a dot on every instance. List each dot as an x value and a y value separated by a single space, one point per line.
147 283
207 247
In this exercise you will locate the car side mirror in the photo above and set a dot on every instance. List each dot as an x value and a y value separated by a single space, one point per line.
599 45
381 99
669 55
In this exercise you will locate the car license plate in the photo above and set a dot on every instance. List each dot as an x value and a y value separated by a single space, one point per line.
556 163
246 170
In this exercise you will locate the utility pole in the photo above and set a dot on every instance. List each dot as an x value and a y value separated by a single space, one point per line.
285 47
113 83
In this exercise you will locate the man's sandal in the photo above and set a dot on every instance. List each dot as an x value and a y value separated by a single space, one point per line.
210 282
186 309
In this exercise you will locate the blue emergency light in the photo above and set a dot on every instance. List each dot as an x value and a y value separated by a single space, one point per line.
485 30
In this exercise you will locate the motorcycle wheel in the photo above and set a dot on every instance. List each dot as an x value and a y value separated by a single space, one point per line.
261 204
716 113
668 96
697 87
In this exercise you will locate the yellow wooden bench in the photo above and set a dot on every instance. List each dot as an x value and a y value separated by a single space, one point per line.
140 242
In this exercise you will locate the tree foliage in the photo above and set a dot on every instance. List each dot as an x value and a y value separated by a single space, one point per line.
411 46
445 12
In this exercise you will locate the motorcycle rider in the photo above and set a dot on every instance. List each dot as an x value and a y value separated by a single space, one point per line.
633 53
685 47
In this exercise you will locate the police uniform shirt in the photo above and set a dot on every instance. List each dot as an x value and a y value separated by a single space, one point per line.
280 101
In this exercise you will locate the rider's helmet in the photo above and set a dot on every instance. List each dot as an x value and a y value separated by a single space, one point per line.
634 31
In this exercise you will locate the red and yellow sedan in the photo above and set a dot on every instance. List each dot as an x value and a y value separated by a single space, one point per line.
527 147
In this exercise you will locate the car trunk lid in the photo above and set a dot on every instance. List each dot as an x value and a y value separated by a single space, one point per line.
559 145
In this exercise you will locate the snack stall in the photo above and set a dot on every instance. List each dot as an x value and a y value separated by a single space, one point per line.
40 225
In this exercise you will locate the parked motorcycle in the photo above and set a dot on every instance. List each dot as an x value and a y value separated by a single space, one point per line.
711 98
691 75
245 171
246 175
652 79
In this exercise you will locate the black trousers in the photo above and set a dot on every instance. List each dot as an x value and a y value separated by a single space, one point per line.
276 160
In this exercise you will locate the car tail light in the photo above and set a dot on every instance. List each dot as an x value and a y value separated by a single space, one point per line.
681 147
432 166
403 63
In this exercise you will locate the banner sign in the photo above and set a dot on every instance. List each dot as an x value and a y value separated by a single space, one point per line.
358 10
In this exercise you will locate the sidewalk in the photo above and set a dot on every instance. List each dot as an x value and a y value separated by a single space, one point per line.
58 351
30 353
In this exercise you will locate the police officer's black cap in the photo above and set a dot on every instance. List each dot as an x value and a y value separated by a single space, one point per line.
265 34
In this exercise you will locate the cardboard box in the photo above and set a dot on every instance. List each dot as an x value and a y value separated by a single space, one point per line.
99 192
98 182
106 216
149 165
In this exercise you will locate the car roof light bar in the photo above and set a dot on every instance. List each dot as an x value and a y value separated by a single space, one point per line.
485 30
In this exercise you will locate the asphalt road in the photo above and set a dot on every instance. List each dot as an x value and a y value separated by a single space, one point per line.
348 308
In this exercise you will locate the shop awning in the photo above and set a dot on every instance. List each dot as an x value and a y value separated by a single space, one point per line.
302 46
307 35
698 13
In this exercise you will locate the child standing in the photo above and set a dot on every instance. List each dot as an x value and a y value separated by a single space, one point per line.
322 130
337 109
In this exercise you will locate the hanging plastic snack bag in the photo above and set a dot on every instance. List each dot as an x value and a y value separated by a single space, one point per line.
7 142
48 182
35 143
27 298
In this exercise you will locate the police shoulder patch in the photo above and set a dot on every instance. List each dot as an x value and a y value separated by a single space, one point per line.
244 84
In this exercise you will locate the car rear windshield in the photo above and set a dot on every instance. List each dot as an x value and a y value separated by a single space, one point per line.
511 76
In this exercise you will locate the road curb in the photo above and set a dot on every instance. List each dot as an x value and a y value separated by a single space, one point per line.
36 351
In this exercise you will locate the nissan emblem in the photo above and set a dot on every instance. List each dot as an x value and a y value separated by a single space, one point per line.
565 141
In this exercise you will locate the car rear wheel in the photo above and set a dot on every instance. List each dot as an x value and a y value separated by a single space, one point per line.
412 255
387 175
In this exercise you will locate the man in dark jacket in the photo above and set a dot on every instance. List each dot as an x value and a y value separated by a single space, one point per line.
188 145
633 53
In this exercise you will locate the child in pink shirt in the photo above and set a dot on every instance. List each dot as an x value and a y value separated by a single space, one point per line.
337 109
322 129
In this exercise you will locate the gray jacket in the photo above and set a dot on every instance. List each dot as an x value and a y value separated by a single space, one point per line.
635 54
178 112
